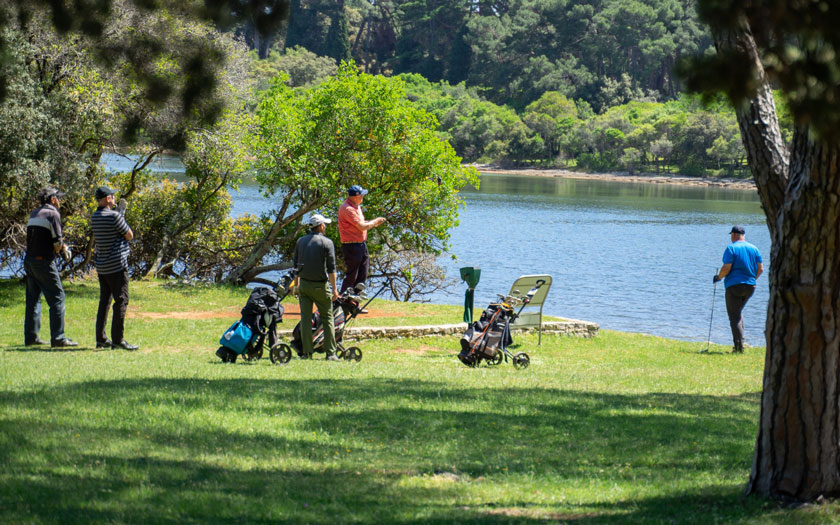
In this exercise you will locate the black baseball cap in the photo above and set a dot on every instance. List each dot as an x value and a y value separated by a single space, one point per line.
102 192
46 193
738 229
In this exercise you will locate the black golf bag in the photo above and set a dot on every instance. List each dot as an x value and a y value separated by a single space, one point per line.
260 316
318 330
488 337
346 308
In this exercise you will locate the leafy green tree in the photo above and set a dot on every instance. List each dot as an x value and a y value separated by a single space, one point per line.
552 116
56 116
308 24
337 45
142 52
303 68
353 128
794 46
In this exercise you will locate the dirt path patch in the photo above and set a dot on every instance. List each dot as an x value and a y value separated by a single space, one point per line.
421 350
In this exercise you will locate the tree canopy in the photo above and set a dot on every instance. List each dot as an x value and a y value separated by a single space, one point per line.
354 128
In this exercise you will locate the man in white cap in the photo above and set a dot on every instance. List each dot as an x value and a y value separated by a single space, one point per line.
314 257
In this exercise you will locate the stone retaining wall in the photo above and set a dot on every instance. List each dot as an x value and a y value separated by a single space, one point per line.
570 327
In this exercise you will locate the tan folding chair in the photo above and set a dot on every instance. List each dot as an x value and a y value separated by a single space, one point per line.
532 314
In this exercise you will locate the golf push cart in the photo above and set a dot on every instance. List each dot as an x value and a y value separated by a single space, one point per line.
345 309
488 338
256 330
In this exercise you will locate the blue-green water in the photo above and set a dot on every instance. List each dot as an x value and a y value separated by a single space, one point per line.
635 257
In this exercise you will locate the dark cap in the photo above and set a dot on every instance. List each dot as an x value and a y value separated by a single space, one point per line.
737 229
45 194
102 192
356 190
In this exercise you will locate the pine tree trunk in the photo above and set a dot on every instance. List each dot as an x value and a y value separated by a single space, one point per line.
797 452
797 456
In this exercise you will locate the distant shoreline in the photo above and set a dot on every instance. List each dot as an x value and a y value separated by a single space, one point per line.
618 176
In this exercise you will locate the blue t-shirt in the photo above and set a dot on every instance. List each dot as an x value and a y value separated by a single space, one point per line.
744 258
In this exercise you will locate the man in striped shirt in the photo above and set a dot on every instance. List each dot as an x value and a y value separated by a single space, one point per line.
111 234
44 240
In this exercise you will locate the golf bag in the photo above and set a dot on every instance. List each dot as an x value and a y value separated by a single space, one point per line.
345 309
318 330
488 337
247 336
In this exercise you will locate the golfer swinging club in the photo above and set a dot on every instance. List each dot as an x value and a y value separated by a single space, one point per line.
742 265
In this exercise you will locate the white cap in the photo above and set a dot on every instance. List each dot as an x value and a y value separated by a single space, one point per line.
317 219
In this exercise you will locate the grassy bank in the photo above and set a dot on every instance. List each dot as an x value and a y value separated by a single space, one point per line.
621 427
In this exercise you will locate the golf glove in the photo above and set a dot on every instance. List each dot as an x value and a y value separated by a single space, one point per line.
121 206
715 278
66 254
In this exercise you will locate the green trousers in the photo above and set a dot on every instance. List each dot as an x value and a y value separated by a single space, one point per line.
319 295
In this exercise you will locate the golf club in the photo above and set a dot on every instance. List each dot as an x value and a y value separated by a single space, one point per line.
711 316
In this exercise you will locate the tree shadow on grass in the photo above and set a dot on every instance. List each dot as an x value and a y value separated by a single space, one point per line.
46 349
364 450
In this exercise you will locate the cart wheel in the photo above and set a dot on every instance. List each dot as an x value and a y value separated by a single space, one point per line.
497 360
280 354
341 353
521 360
255 352
354 353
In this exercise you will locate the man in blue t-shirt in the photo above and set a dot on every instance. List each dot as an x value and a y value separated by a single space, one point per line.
742 265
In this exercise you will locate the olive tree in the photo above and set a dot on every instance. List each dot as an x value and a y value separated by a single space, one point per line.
353 128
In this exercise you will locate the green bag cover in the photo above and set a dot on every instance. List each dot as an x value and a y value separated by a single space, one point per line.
471 276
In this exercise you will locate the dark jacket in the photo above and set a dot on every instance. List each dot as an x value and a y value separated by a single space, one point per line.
315 257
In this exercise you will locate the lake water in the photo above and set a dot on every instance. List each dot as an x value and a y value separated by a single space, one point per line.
636 257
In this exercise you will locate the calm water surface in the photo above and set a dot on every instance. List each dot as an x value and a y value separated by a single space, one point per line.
635 257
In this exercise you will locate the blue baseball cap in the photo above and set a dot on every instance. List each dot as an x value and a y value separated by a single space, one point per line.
738 229
356 190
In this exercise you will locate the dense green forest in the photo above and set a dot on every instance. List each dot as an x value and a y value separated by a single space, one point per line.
583 85
605 52
559 83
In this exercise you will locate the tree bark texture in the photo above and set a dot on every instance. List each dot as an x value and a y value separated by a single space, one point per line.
797 452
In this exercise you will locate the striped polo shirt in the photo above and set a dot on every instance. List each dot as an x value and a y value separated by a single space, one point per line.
109 229
43 232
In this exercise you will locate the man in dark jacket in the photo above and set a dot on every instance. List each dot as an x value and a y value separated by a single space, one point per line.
44 241
315 258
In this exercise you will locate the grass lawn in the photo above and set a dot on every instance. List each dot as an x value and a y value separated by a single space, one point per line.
622 427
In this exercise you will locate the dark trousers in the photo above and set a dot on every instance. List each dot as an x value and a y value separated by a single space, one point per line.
112 286
737 296
357 263
42 277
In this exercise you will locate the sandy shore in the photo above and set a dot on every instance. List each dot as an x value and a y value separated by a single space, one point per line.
651 178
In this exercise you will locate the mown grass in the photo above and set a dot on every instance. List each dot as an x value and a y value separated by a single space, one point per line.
622 427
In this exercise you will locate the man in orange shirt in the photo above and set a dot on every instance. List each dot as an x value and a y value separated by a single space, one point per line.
352 228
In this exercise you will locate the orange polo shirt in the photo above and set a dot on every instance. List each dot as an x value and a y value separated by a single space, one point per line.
350 218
